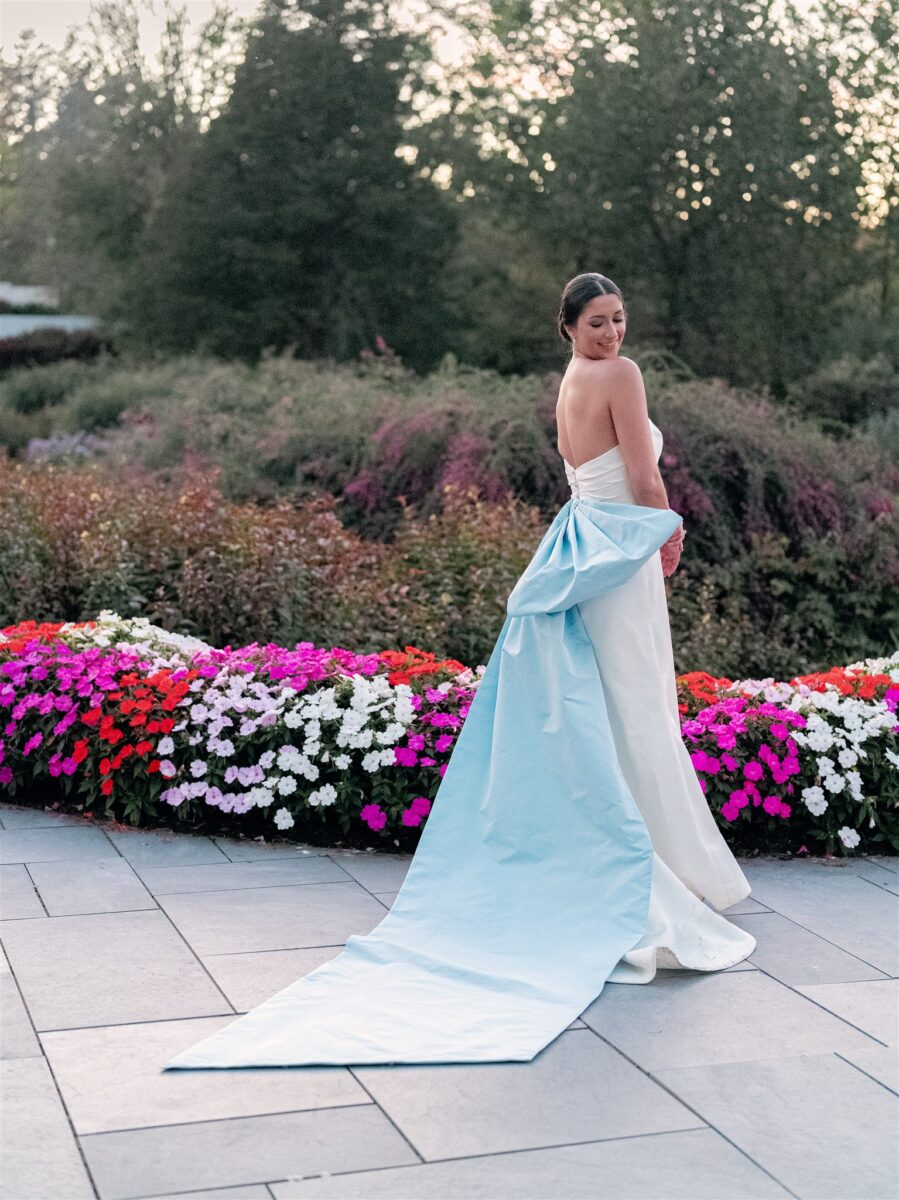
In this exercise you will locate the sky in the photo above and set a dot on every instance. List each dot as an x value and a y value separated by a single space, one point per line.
51 19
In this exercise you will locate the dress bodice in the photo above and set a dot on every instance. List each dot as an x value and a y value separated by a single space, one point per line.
605 477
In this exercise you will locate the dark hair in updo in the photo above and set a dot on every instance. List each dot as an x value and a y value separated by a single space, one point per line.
578 293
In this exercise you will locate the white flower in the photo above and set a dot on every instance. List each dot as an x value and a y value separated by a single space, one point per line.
855 784
292 719
283 819
892 757
849 837
198 713
847 757
266 759
372 761
165 745
325 795
814 800
342 761
286 785
834 782
197 768
826 766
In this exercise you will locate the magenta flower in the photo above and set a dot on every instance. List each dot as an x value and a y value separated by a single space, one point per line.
753 770
374 816
404 757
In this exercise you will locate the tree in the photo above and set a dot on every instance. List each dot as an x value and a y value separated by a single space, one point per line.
296 221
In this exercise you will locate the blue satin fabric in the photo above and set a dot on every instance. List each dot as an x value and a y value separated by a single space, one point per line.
532 876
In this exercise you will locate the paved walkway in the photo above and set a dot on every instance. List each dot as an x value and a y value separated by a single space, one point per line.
775 1078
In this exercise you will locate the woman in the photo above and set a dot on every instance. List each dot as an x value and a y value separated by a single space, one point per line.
605 427
569 842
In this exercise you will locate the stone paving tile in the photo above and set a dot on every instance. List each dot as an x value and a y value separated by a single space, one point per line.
376 872
107 969
795 955
96 886
215 877
279 918
143 848
12 817
697 1164
834 902
248 979
716 1018
112 1078
18 897
819 1126
216 1154
248 850
872 1006
49 845
576 1089
17 1039
386 898
39 1158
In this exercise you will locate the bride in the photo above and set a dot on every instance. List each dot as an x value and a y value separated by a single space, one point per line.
570 843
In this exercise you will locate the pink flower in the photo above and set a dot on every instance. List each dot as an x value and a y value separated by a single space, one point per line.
444 742
421 804
729 762
779 730
753 770
33 742
729 811
771 804
411 817
374 816
405 757
5 774
739 798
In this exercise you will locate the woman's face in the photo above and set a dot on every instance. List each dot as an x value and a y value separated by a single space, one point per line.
600 328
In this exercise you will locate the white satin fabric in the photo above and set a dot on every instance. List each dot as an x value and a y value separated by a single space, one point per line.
631 635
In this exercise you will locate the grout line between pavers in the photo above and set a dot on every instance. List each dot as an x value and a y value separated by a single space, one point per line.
37 891
888 877
874 1078
454 1158
415 1150
821 936
203 966
281 1112
272 950
260 887
794 988
142 1021
706 1122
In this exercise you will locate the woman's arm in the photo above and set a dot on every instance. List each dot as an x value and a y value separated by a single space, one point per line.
630 417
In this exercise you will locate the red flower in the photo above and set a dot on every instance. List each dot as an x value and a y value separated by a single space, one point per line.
106 787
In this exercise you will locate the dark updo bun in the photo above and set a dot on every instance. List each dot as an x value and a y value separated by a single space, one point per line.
578 293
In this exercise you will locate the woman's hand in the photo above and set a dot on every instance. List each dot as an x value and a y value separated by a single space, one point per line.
671 551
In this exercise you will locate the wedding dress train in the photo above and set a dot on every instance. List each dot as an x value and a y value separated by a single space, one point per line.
569 843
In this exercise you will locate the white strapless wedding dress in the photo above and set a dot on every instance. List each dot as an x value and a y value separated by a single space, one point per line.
631 635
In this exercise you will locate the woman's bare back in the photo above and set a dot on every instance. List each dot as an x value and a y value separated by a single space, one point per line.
583 414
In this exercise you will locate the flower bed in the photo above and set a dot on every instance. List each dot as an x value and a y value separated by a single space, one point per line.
119 718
